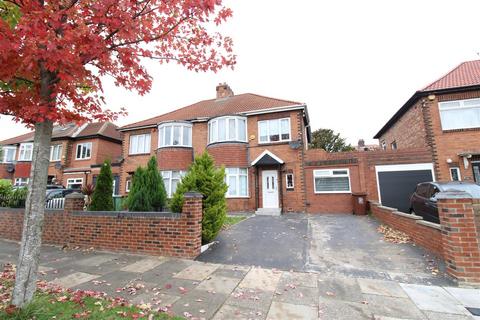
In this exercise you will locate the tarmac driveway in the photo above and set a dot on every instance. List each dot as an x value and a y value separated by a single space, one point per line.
336 245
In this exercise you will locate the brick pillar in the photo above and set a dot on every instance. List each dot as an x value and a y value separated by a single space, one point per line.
74 202
192 211
460 218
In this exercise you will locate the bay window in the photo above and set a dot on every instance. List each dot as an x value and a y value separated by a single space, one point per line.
56 152
8 154
171 180
231 128
26 152
140 144
460 114
276 130
175 134
331 181
237 181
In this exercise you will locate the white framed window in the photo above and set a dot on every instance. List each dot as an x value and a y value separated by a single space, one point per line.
171 180
26 152
289 181
455 174
277 130
393 145
383 145
56 152
128 184
140 143
84 151
460 114
331 181
175 134
231 128
8 154
21 182
75 183
237 181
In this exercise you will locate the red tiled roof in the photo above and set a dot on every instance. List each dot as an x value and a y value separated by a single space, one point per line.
465 75
18 139
217 107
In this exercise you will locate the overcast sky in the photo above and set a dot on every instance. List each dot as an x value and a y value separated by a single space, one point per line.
354 63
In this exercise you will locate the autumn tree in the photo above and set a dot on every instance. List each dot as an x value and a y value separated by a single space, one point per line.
329 141
54 55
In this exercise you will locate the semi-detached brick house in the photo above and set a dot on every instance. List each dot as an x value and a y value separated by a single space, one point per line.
260 141
444 118
76 155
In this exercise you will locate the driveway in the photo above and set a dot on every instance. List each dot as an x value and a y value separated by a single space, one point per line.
336 245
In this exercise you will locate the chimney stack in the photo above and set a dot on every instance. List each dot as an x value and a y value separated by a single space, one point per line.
224 91
361 143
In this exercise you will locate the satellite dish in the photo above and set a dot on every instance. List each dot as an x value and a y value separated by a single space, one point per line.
295 144
10 168
58 166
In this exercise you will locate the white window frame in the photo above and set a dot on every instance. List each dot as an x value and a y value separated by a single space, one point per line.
383 145
128 184
168 184
17 180
393 145
279 130
317 173
74 181
237 176
442 107
161 135
133 146
56 150
84 145
4 154
458 173
286 181
213 134
24 148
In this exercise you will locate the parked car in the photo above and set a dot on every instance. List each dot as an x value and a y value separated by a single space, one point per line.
54 186
59 193
423 201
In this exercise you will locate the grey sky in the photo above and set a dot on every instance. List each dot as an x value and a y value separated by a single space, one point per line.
353 62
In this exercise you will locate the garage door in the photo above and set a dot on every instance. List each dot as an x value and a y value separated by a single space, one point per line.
396 183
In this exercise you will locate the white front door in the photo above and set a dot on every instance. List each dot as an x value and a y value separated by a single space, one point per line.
270 188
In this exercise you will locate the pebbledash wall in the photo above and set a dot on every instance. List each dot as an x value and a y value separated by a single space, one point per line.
156 233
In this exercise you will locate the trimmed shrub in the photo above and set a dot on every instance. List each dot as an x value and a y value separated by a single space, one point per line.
6 190
203 177
102 198
155 186
17 198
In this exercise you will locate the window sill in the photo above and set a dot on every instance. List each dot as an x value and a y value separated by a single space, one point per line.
237 197
171 147
333 192
461 130
226 142
138 154
274 143
83 159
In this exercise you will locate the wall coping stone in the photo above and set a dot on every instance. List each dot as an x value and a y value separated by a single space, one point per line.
454 195
192 194
128 214
387 208
22 210
75 195
430 224
407 215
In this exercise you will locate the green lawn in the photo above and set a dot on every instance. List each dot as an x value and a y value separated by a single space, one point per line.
53 303
231 220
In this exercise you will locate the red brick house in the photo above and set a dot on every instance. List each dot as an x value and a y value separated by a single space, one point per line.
444 118
261 142
76 154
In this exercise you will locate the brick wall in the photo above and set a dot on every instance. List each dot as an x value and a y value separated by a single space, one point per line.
174 158
423 233
156 233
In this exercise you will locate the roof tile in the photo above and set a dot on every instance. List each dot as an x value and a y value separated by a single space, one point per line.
465 75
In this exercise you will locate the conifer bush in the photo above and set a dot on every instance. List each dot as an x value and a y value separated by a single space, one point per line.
203 177
102 198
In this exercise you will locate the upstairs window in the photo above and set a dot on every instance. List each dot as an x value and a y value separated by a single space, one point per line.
84 151
393 145
383 145
276 130
140 144
26 152
332 181
460 114
8 154
175 135
56 152
227 129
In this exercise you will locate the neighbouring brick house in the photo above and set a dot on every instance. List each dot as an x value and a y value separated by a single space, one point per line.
76 155
444 118
261 142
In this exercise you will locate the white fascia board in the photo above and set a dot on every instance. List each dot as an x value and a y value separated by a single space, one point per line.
270 154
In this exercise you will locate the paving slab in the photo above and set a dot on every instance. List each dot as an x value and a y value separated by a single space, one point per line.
381 287
219 284
392 307
297 295
228 312
259 278
256 299
199 304
74 279
144 265
329 309
446 316
299 279
232 271
467 297
433 299
95 260
197 271
346 289
160 300
288 311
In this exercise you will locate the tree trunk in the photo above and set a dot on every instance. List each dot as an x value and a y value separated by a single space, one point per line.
26 276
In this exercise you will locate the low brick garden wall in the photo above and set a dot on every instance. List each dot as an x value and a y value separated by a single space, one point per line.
423 233
156 233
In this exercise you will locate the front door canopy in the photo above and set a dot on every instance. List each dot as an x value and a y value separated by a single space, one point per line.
267 158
